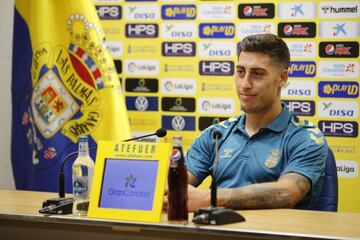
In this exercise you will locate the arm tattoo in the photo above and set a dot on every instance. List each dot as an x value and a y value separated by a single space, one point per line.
285 193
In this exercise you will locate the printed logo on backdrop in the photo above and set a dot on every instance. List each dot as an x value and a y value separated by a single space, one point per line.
216 30
339 9
178 49
338 69
339 128
108 12
178 123
297 10
338 109
264 10
339 49
140 30
337 89
178 31
115 48
141 103
169 104
179 67
216 105
249 28
141 85
133 49
302 49
205 122
217 87
178 12
338 29
141 67
218 11
212 49
296 88
142 12
216 68
300 107
347 168
178 86
297 29
302 69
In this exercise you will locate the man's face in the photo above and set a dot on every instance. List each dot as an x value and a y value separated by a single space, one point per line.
258 82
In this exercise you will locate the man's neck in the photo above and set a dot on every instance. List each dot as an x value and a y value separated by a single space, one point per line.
256 121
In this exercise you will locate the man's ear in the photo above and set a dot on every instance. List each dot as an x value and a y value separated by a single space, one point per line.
283 78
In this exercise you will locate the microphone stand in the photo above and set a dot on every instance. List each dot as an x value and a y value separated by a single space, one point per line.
216 215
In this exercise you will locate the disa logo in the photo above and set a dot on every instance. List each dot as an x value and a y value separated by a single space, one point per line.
338 109
178 12
217 30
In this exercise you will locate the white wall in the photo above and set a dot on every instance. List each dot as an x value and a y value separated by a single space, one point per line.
6 32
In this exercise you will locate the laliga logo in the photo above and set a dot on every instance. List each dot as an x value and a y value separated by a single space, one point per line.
168 86
206 105
132 67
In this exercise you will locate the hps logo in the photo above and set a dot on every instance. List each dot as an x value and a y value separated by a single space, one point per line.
301 108
302 69
130 181
339 128
178 49
141 30
337 89
178 12
217 68
109 12
339 109
217 30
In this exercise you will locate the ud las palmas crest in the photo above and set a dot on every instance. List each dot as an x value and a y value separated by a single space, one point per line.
66 80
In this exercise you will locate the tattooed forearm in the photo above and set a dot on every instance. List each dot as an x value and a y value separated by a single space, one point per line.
284 193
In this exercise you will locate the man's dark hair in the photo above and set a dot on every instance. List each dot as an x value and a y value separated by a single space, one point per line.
269 44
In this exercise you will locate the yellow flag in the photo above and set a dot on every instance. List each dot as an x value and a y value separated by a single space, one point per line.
75 87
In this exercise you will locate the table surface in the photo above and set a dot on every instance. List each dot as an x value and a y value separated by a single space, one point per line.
24 206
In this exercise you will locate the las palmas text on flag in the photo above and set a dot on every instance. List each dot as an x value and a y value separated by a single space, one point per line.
63 86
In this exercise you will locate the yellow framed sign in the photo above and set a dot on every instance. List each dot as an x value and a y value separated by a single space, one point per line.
129 181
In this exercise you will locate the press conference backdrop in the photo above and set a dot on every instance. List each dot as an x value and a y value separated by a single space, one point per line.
176 62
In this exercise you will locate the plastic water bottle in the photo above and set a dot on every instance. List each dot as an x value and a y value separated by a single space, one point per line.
177 183
82 175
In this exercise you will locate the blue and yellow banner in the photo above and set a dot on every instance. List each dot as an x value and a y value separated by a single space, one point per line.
64 85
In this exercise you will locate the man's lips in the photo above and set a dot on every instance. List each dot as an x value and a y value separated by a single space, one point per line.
247 96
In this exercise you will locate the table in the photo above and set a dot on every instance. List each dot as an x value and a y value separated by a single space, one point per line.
19 219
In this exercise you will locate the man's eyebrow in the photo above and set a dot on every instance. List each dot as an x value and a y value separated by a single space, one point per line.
252 69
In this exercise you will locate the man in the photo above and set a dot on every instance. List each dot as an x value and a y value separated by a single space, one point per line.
268 157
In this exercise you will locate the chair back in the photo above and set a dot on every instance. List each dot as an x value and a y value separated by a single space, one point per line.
328 200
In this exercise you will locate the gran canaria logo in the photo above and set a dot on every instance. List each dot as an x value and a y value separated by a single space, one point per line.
67 80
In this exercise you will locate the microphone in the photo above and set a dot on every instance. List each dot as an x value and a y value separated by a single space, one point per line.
62 205
216 215
161 132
